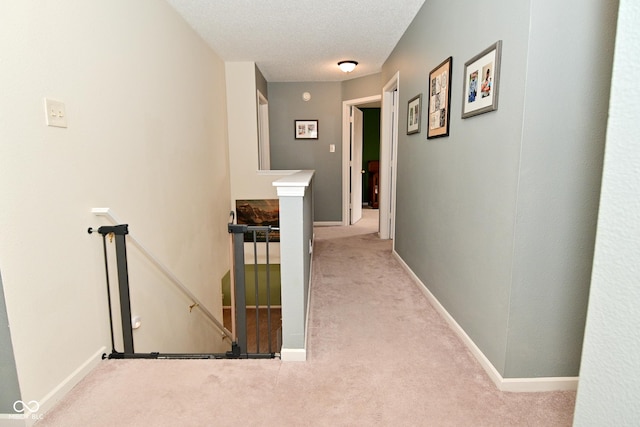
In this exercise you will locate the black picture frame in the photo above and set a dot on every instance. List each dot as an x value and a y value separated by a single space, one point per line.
305 129
440 99
414 113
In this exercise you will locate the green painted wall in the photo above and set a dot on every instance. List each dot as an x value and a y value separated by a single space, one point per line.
250 280
370 145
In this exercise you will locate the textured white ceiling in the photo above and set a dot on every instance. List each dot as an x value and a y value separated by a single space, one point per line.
301 40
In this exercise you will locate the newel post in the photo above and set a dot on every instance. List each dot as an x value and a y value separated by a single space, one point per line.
295 193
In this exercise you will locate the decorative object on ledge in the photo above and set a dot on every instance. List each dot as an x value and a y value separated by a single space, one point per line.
261 212
481 81
413 114
306 129
440 99
347 66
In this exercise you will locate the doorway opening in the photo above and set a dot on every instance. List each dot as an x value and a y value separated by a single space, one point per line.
356 177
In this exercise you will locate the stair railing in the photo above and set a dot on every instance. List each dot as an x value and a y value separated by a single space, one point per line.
226 334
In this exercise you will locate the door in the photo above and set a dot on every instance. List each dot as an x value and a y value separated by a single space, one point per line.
388 156
356 164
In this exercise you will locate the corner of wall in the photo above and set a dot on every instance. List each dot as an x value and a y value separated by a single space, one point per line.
48 402
524 385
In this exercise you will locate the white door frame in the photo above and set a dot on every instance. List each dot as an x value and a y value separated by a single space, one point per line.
264 157
346 149
357 144
388 157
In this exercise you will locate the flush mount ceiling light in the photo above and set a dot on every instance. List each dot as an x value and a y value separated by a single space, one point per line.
347 66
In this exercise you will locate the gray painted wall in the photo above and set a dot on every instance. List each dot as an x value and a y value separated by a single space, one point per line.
285 106
498 219
562 150
362 87
9 386
456 196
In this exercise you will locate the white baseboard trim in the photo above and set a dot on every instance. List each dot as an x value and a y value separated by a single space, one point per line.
308 311
327 223
293 355
13 420
527 385
55 395
523 385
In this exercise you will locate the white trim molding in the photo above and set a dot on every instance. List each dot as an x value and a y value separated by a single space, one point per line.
388 156
14 420
46 403
524 385
293 354
294 185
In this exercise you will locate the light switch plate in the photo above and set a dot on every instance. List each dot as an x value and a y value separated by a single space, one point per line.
332 148
55 113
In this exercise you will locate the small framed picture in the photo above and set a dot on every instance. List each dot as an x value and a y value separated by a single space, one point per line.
413 114
440 99
481 81
306 129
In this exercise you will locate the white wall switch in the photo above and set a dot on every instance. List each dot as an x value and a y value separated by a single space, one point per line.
55 113
332 148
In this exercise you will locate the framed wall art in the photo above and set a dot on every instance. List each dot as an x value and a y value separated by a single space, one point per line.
261 212
306 129
440 99
413 114
481 81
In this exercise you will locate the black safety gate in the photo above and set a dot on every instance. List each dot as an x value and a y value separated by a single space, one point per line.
239 345
239 231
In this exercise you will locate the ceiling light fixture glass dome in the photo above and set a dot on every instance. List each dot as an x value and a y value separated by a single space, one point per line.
347 66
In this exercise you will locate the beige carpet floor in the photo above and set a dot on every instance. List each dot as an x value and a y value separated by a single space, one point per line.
379 355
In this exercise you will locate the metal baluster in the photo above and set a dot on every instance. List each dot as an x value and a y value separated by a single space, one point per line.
267 234
255 268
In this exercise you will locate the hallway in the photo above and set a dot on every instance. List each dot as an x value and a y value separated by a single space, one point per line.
378 355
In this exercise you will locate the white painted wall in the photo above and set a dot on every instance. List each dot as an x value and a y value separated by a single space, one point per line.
609 389
247 182
147 137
